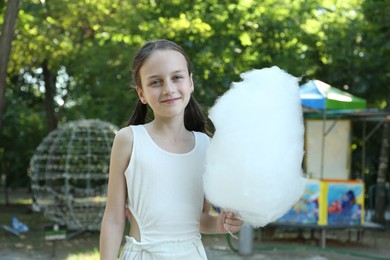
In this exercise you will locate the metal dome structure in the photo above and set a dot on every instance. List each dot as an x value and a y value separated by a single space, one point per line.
69 173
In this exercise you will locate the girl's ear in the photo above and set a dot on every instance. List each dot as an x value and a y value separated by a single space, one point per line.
141 95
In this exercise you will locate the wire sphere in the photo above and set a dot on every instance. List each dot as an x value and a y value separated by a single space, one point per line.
69 173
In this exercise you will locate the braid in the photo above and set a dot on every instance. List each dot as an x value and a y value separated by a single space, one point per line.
139 114
194 119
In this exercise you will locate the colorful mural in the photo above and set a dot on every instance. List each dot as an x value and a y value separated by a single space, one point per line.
345 202
306 210
328 202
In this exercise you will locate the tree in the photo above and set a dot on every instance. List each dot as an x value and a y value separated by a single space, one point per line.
377 47
6 38
71 58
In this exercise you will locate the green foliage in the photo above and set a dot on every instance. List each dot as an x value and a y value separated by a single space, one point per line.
375 70
23 131
89 46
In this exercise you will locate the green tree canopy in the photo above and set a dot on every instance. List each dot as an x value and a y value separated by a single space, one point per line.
71 59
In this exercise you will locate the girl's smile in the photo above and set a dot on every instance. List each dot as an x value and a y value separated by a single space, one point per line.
170 101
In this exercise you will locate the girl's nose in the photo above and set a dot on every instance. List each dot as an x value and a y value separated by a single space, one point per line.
169 87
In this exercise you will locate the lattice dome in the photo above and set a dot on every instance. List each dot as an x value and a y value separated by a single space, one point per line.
69 173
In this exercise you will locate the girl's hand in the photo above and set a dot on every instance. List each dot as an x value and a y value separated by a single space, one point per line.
228 222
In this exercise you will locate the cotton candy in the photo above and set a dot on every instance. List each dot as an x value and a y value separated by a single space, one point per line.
254 161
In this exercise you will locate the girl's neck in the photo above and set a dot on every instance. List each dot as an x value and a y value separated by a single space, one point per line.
167 128
171 137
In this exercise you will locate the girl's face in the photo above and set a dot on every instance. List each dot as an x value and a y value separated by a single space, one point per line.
166 85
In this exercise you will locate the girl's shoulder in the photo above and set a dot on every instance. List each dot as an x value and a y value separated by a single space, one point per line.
202 135
124 135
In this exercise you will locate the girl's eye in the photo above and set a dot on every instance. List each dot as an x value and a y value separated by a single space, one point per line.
177 77
155 83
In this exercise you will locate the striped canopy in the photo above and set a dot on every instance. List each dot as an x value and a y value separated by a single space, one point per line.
316 94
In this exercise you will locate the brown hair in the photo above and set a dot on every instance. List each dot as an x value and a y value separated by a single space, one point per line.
194 120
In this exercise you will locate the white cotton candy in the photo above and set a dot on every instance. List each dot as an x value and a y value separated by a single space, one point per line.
254 162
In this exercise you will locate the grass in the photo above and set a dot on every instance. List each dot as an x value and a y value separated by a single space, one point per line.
84 256
33 244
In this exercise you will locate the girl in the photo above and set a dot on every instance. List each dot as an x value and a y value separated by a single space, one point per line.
158 166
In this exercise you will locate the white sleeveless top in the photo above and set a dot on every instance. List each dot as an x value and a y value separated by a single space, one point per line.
165 190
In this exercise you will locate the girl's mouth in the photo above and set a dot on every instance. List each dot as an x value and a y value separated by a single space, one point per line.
170 101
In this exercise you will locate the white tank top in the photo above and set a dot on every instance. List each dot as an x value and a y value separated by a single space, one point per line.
165 190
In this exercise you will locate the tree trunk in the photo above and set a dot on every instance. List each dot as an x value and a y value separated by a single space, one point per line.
4 170
380 194
7 32
6 37
50 81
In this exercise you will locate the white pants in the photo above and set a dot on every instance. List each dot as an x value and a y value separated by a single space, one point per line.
170 250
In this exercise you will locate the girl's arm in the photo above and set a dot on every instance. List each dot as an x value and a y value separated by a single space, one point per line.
114 219
225 222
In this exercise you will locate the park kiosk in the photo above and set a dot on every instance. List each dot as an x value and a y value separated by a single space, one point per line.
332 199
